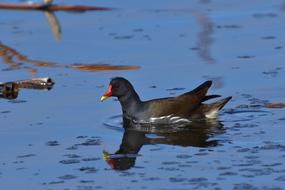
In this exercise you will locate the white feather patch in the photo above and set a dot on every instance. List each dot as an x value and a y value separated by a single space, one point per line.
168 119
212 114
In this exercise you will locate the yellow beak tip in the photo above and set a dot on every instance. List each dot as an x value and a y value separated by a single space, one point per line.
103 98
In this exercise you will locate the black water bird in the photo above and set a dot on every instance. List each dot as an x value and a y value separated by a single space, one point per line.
189 105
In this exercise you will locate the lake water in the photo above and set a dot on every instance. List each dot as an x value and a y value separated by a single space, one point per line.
65 138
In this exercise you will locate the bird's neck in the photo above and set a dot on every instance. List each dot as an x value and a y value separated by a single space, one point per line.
130 103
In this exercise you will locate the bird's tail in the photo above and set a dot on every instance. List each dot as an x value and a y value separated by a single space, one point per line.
211 110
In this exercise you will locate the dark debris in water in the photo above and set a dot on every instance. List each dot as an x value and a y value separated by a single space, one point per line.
272 72
268 37
70 161
202 154
87 181
152 179
198 180
178 179
67 177
248 125
18 162
229 26
278 47
244 95
17 101
91 142
183 156
73 147
21 168
88 169
175 89
228 173
170 163
26 156
224 168
55 182
4 112
81 137
123 37
52 143
272 165
138 30
88 141
169 168
264 15
91 159
72 156
245 56
244 186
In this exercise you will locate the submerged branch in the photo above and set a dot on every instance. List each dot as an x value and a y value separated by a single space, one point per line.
51 7
102 67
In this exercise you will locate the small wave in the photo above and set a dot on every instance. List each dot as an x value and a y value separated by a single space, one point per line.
238 115
114 123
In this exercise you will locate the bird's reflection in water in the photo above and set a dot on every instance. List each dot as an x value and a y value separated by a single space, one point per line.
195 134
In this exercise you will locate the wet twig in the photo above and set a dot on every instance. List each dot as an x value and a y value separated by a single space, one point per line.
51 7
10 90
34 83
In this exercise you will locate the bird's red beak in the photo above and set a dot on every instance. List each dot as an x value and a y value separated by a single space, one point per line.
107 94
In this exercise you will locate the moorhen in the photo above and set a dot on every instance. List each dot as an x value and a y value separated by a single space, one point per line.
189 105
